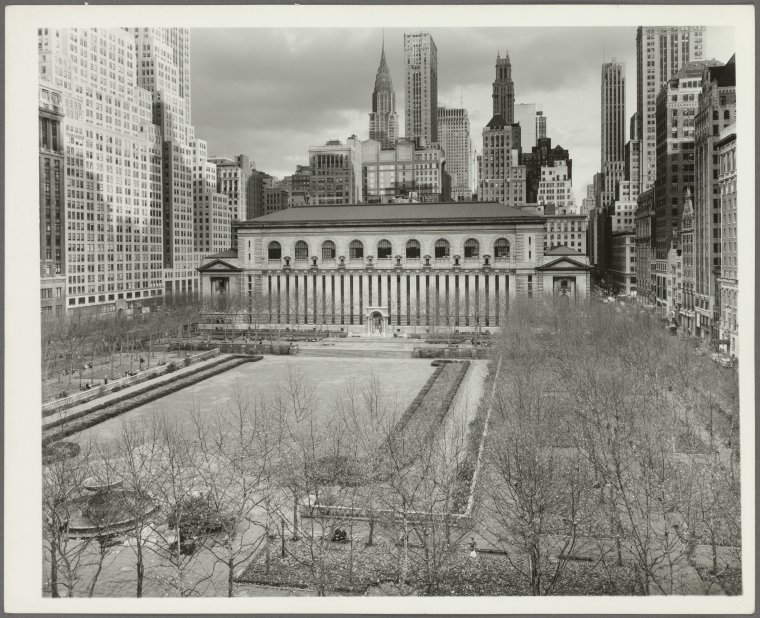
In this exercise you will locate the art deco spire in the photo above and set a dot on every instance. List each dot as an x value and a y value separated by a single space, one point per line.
383 121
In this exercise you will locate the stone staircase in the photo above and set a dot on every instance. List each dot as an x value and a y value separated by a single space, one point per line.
342 352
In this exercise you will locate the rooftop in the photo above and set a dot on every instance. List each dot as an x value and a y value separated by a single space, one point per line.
398 213
562 250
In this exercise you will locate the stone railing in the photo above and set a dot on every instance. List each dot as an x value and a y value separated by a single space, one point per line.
66 402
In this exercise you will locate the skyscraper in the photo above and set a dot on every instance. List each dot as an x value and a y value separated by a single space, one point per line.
162 63
502 178
525 116
613 112
454 136
504 90
540 124
421 62
112 160
660 52
336 173
383 121
612 128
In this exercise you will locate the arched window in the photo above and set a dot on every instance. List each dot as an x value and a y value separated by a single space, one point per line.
501 249
274 251
328 250
441 249
302 250
356 250
471 248
726 115
412 250
384 250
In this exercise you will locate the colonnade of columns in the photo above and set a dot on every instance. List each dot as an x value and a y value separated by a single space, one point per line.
411 299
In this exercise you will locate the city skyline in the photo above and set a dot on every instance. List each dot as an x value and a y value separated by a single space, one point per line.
278 134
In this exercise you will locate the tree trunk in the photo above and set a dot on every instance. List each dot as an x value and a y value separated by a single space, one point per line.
230 573
140 565
54 572
295 518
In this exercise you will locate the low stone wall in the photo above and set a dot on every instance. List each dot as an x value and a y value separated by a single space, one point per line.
115 385
438 352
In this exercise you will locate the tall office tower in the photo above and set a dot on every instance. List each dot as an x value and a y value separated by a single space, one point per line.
676 109
540 124
52 203
502 178
112 160
421 62
212 219
504 90
525 116
612 128
158 50
454 137
383 121
716 111
336 173
660 52
686 244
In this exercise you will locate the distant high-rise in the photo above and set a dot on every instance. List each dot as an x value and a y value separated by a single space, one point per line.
660 52
212 219
336 173
383 121
504 90
540 124
501 177
421 62
454 137
525 116
612 128
613 111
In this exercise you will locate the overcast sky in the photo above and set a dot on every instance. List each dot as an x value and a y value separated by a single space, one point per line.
272 93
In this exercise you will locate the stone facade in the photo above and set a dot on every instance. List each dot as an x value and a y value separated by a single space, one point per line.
421 265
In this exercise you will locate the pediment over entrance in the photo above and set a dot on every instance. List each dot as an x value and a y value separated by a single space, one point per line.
564 263
219 266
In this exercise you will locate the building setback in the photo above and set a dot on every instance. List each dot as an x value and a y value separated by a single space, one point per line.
421 72
660 52
391 269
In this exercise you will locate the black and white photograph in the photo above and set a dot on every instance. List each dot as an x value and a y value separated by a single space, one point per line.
380 308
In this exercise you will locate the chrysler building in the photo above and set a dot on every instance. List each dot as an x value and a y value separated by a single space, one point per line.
383 121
